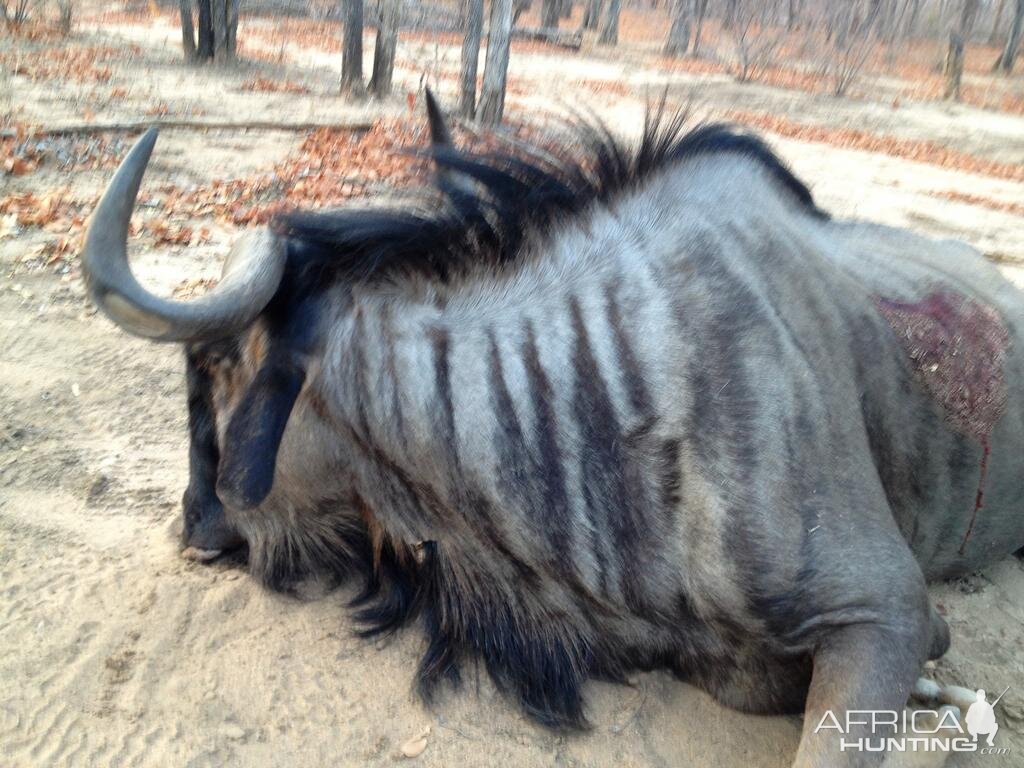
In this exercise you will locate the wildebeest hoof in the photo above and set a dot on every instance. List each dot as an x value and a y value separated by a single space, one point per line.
928 691
201 555
958 696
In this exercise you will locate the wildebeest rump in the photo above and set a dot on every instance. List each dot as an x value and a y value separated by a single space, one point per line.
650 407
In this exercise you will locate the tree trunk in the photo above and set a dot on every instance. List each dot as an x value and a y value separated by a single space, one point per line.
570 40
610 29
1005 61
678 42
957 41
66 10
894 24
842 22
592 14
888 20
471 57
954 65
872 16
997 22
188 34
549 12
499 38
232 29
384 50
205 40
220 29
792 14
702 12
729 20
519 7
565 9
915 13
352 48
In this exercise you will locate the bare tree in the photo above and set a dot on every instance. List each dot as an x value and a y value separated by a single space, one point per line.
894 24
701 9
385 43
729 17
957 42
887 18
65 16
188 34
14 13
519 7
471 57
678 42
997 22
915 14
610 29
872 16
1009 54
204 47
384 48
793 8
19 14
232 28
848 47
592 14
220 29
352 48
499 38
754 43
550 11
216 35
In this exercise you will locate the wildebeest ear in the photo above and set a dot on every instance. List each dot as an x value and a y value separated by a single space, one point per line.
253 437
451 182
440 136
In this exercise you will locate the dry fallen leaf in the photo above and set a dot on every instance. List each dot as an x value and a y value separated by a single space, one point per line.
193 288
16 166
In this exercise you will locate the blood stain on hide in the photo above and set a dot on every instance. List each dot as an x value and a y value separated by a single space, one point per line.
957 347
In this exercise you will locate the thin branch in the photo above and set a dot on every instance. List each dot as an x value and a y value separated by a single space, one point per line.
256 125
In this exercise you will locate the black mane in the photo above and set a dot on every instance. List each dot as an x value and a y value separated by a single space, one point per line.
516 197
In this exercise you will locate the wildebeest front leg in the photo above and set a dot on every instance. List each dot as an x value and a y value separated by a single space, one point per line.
206 531
860 668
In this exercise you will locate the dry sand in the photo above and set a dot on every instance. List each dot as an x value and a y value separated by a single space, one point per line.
114 651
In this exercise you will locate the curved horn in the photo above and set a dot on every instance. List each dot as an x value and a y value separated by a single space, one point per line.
244 290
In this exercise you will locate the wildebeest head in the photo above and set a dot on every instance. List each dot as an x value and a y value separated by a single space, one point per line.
250 344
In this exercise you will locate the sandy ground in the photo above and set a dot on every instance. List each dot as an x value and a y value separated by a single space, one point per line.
114 651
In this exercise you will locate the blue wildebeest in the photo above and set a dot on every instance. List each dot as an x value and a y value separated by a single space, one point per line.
648 408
